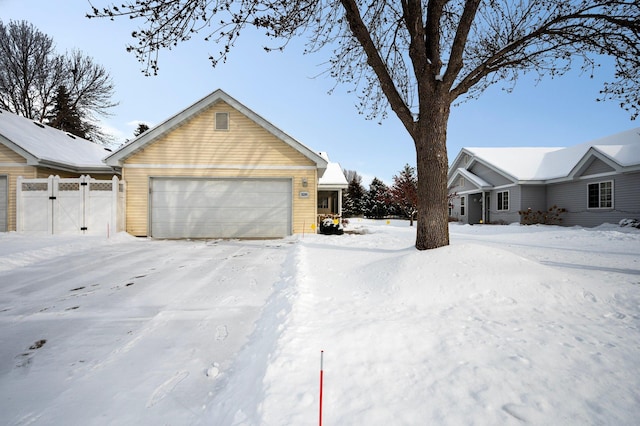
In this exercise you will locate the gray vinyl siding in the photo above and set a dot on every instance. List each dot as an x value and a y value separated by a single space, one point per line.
455 210
489 175
573 196
597 166
533 197
468 186
506 216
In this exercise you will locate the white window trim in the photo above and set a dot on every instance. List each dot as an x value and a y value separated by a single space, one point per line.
498 206
613 193
463 205
215 125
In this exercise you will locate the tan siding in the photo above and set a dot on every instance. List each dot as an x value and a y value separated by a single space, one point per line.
256 152
196 142
9 156
304 209
27 172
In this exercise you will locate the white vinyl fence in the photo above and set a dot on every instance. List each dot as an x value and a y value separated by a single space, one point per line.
70 206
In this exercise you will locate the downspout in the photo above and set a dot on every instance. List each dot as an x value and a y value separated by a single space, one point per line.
484 211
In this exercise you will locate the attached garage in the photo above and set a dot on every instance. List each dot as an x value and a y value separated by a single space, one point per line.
220 208
218 170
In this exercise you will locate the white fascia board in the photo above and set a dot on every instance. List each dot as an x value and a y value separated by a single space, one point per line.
32 160
477 181
459 158
75 168
593 153
330 187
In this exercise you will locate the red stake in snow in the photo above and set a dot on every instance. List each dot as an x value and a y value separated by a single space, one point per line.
321 356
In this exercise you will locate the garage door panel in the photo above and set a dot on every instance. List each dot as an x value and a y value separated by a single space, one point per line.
207 229
220 208
220 185
208 201
221 214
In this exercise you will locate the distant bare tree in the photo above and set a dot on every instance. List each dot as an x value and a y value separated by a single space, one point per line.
31 74
417 57
29 70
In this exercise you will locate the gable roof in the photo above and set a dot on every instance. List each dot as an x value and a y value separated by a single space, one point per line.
475 180
548 164
160 130
45 146
333 177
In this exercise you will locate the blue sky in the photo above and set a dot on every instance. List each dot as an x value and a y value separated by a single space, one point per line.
283 88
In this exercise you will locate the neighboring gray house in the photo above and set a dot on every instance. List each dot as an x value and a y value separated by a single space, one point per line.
596 182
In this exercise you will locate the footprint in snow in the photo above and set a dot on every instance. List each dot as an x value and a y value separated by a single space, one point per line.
24 359
221 332
589 296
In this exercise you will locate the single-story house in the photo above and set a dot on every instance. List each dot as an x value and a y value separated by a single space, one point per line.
330 187
218 169
32 150
591 183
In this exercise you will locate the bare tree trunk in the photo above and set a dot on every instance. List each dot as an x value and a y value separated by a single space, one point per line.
430 139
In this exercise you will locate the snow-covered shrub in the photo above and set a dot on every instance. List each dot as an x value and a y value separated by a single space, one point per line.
330 226
551 216
634 223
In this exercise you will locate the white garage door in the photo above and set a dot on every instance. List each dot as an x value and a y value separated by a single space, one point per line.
4 203
220 208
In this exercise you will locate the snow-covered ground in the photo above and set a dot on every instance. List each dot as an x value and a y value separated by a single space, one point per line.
507 325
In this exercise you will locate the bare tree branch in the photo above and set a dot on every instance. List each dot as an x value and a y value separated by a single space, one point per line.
31 74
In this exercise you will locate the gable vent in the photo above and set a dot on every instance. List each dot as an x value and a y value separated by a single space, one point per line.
222 121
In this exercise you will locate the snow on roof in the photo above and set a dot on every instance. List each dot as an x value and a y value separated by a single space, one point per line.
533 163
477 180
333 175
519 163
46 144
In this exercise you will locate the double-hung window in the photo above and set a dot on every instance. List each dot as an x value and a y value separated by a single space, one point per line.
462 205
600 195
503 200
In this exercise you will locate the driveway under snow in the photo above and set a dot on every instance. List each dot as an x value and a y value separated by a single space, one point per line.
508 324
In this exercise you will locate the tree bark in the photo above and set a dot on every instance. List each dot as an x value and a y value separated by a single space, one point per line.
430 138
